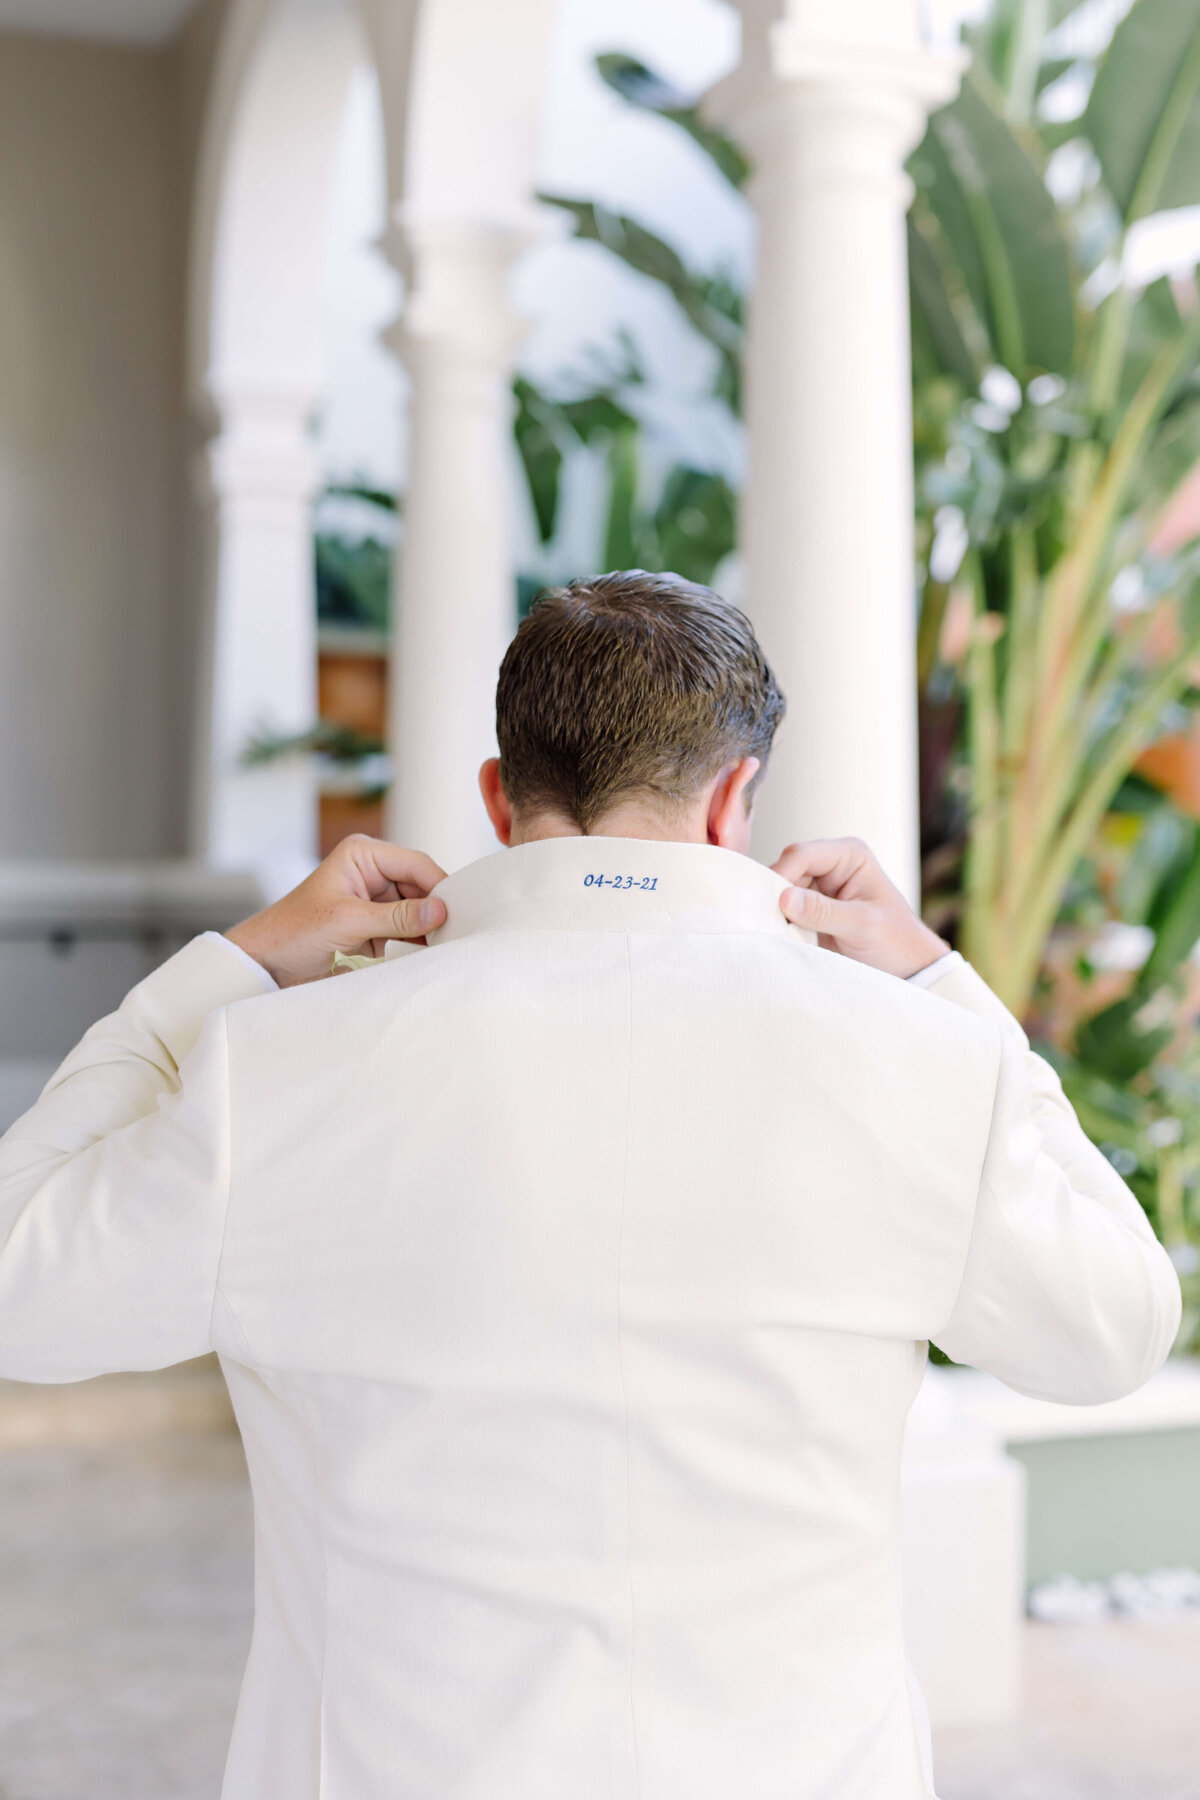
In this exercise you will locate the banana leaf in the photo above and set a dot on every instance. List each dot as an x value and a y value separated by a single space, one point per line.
1008 30
383 498
711 303
935 328
695 523
1175 920
1002 231
1116 1044
1143 115
1154 321
621 534
544 428
540 453
642 88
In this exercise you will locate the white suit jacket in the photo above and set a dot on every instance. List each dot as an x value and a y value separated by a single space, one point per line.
572 1279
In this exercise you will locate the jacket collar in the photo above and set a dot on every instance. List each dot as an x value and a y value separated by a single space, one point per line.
613 884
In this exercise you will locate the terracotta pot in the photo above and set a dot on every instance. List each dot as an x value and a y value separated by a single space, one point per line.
340 814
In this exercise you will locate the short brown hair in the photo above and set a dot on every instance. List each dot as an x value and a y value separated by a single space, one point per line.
629 683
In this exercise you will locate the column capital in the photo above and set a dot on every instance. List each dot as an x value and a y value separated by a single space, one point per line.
926 77
857 107
457 275
260 448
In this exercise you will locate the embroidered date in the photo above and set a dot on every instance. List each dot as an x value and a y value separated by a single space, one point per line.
647 883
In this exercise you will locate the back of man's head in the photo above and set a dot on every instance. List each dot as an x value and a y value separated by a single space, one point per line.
627 686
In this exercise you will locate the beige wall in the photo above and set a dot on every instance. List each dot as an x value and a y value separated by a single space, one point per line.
91 263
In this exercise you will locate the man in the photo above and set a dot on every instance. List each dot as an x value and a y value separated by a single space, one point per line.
573 1274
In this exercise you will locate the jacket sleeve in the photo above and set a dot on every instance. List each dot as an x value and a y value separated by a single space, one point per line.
1066 1292
113 1186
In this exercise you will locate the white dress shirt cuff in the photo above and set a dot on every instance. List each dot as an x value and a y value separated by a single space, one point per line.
934 971
207 973
267 983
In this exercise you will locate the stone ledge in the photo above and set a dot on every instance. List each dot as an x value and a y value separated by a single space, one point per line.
1170 1400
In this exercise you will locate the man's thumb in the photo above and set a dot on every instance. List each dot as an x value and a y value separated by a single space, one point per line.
401 918
797 904
814 910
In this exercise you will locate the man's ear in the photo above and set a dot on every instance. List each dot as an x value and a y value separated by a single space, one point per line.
728 813
496 800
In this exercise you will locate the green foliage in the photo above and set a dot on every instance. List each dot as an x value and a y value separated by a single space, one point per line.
689 529
690 526
340 743
1132 1071
353 581
1054 409
1057 472
1143 116
641 87
1051 423
710 303
383 499
993 236
695 523
546 429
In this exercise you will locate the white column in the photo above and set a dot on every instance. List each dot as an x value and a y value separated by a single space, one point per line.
829 101
260 674
454 597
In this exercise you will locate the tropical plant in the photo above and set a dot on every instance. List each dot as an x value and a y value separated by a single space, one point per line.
691 525
353 572
1059 403
1054 405
1132 1066
353 580
342 744
689 522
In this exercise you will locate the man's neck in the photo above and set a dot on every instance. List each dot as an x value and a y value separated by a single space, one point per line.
622 822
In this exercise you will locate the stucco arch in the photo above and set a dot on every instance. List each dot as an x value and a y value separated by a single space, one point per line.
264 172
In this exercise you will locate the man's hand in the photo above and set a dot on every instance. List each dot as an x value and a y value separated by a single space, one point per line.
365 892
842 894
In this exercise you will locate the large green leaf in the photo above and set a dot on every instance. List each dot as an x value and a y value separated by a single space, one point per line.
353 579
1011 34
711 303
1001 228
1155 320
621 530
642 88
695 522
1175 918
1143 116
383 498
540 452
934 323
545 427
1117 1044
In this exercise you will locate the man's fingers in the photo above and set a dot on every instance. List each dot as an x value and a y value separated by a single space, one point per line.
827 863
815 911
387 866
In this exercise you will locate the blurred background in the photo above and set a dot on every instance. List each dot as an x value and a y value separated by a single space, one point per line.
329 333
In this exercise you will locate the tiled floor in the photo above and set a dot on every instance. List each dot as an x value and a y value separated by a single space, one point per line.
1112 1712
125 1613
124 1617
